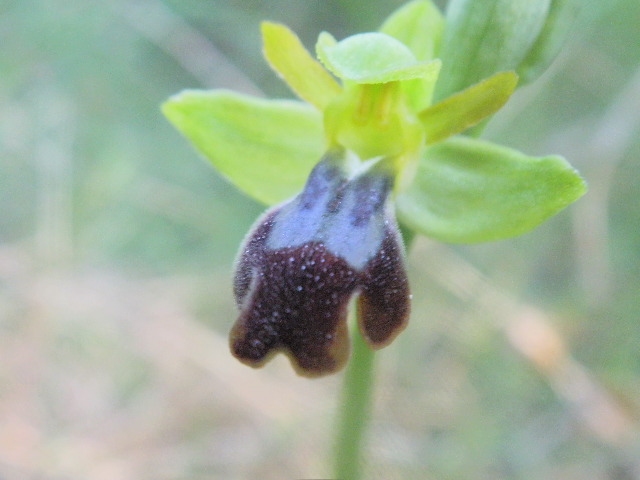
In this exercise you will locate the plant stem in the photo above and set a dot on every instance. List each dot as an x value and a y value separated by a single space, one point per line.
355 411
357 400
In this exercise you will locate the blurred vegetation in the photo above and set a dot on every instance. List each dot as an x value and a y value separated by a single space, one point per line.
522 360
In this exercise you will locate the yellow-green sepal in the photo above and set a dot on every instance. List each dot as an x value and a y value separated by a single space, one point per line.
266 148
467 191
418 25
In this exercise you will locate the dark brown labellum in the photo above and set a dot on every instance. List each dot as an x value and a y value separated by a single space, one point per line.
303 262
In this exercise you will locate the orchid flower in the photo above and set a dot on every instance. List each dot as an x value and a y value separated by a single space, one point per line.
367 143
305 259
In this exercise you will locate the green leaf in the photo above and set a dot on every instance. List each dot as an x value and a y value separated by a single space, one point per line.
468 191
466 108
372 58
288 57
483 37
264 147
562 15
419 25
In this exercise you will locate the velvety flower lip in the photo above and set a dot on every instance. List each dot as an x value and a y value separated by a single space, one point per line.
306 258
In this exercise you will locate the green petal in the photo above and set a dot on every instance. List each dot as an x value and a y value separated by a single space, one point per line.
372 58
288 57
465 109
266 148
419 26
468 191
487 36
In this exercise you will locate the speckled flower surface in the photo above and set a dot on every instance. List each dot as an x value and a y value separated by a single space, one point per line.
305 259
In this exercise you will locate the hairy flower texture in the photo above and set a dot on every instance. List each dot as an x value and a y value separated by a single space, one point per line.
305 259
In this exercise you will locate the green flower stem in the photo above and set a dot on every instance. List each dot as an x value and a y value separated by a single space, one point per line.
357 400
355 413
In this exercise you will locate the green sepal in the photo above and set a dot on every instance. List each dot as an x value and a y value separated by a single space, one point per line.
419 25
373 58
266 148
466 108
467 191
485 37
303 73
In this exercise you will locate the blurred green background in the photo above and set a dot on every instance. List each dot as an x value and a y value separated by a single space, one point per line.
522 359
